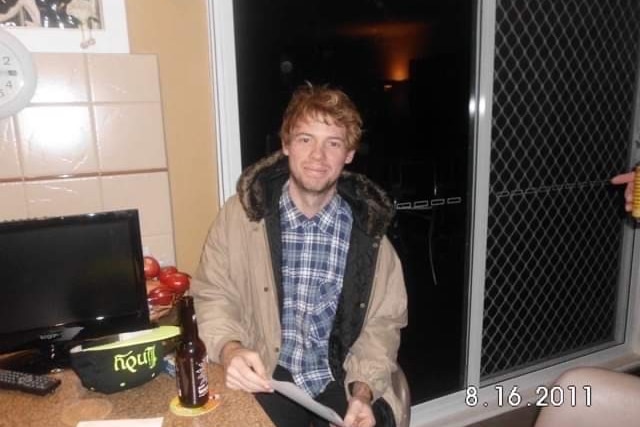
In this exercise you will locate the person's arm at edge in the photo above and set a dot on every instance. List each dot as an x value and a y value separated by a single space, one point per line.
626 179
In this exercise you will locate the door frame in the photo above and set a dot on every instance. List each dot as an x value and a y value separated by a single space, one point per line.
223 69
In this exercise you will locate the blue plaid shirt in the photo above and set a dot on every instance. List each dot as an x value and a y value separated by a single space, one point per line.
314 254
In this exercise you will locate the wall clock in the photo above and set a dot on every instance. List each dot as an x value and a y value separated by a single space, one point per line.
18 75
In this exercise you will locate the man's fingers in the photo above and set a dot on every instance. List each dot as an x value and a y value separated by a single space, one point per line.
626 178
246 380
243 373
249 382
623 178
359 414
255 363
348 420
257 374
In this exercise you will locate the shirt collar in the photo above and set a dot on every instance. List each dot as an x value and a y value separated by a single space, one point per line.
294 218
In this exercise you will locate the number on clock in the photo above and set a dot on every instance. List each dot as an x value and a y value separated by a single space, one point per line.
17 75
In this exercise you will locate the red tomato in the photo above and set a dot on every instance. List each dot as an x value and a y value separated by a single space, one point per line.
162 295
178 282
152 284
166 271
151 267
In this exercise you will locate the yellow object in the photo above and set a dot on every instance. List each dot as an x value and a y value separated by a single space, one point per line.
129 339
178 409
635 210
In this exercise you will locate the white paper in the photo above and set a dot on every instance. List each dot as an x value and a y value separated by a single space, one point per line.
298 395
142 422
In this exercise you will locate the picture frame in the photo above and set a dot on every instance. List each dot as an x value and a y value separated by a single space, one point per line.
112 37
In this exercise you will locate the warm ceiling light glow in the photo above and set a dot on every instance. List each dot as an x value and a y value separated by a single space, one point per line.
396 66
396 44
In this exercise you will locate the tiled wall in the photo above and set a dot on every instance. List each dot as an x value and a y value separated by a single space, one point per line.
91 140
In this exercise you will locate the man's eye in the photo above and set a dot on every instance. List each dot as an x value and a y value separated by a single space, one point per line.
304 139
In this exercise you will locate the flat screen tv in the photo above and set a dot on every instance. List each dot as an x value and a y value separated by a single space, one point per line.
68 279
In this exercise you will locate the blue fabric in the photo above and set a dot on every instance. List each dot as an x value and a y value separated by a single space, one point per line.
314 254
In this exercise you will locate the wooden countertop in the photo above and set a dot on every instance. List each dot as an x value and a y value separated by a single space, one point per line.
71 402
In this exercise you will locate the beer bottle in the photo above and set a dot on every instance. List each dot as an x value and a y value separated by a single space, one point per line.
191 359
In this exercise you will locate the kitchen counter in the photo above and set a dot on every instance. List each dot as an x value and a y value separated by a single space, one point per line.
71 402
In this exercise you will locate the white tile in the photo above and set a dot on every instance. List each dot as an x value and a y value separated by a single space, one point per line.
161 248
62 77
130 137
147 192
124 78
57 140
9 159
14 203
63 197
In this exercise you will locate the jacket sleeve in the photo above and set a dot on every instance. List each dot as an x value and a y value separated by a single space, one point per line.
216 293
372 358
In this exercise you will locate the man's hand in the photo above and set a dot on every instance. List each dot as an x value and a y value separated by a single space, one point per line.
244 369
359 412
626 178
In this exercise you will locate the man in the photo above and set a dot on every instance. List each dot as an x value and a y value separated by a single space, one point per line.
297 280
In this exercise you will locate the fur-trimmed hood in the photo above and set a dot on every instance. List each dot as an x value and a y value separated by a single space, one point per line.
260 185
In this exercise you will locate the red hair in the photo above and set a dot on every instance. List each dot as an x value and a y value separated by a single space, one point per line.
330 106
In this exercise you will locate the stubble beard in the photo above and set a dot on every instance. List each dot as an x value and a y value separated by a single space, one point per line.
320 190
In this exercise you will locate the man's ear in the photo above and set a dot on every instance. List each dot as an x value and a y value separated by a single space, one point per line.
349 158
285 148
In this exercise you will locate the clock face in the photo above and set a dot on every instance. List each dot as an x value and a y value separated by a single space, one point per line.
17 75
11 75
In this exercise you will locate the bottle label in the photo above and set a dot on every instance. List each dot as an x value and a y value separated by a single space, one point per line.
192 381
202 378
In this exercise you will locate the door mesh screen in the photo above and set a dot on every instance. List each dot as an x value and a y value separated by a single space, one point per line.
562 112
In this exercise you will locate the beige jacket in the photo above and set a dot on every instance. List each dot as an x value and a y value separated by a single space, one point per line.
236 293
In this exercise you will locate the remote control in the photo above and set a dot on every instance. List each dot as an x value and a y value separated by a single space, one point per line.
36 384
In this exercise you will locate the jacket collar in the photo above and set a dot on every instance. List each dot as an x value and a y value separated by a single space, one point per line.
260 185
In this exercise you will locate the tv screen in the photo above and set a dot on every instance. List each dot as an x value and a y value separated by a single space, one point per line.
70 278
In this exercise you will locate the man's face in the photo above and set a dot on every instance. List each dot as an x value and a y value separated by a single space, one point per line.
317 154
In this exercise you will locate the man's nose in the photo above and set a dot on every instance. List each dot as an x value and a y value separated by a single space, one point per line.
317 150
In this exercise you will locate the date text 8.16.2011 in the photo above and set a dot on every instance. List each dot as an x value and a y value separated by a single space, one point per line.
545 396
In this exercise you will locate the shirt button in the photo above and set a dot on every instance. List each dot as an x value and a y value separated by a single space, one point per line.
266 289
375 245
362 305
277 349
